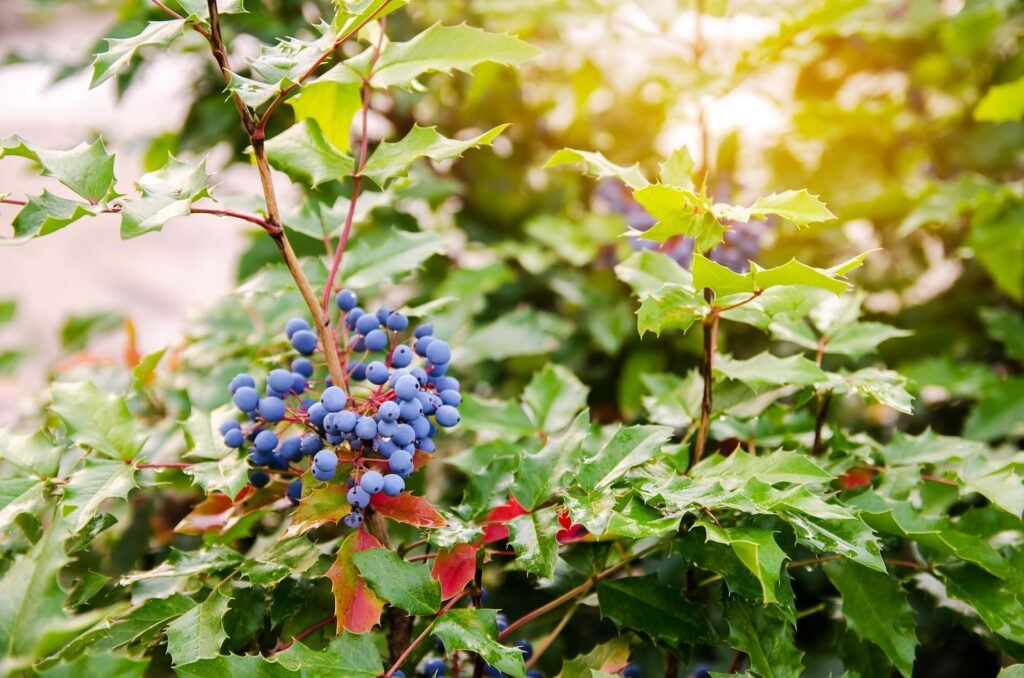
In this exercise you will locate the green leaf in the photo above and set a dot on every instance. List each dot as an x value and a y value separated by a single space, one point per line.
304 154
32 454
610 657
89 487
671 307
533 539
679 213
139 623
201 10
18 496
97 420
199 633
647 270
659 611
87 169
350 655
766 640
782 466
998 604
765 369
228 474
677 169
390 160
884 386
1006 326
45 214
165 194
1000 414
673 401
523 331
757 550
354 13
876 608
120 51
598 166
1002 103
722 281
283 559
542 474
405 585
100 664
79 330
1015 671
321 505
799 207
862 338
476 630
795 273
331 105
489 469
383 255
629 447
554 397
187 563
505 417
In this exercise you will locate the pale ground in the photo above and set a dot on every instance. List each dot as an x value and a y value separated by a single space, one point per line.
156 279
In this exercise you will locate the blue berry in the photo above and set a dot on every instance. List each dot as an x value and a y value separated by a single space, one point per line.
303 366
447 384
259 479
377 372
354 520
424 330
372 482
316 413
421 427
422 344
427 403
420 374
229 425
393 485
397 322
298 383
398 674
436 371
294 325
246 398
434 669
304 342
451 397
326 460
631 670
525 646
335 439
334 399
376 340
534 673
404 435
320 474
401 356
400 462
280 380
406 387
295 490
438 352
257 458
386 448
447 416
271 408
382 314
352 316
358 372
290 449
266 442
277 462
427 445
410 410
346 421
358 497
311 444
234 438
386 429
388 411
367 322
502 621
346 300
240 380
366 428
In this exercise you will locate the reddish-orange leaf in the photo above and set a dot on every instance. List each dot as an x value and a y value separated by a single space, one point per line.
320 505
209 515
420 459
454 568
856 477
494 528
409 509
357 608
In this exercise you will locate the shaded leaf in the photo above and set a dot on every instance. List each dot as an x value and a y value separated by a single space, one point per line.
476 630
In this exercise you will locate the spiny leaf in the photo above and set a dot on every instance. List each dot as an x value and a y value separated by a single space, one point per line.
87 169
357 608
388 254
403 584
598 166
304 154
767 641
477 630
320 505
646 271
629 447
120 51
98 481
45 214
649 606
166 193
671 307
542 474
199 633
98 420
332 106
554 397
757 550
533 538
765 369
390 160
454 568
679 213
409 509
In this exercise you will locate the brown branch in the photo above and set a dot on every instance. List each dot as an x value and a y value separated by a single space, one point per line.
824 401
707 366
550 638
397 664
304 633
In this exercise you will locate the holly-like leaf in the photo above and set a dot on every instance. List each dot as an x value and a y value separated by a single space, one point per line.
209 515
532 536
884 386
877 609
199 633
672 307
320 505
765 369
187 563
998 604
542 474
357 607
677 169
44 214
476 630
87 169
390 160
757 550
627 448
765 638
97 420
523 331
104 664
799 207
284 558
304 154
137 624
332 106
649 606
387 254
554 397
228 475
647 271
1002 103
489 469
679 212
403 584
437 49
120 51
349 655
721 280
165 194
201 10
505 417
1000 414
408 508
610 657
597 165
862 338
89 487
34 455
454 568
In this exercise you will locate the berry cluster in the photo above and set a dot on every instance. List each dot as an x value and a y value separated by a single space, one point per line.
372 425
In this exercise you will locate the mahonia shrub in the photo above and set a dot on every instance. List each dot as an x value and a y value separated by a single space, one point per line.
269 498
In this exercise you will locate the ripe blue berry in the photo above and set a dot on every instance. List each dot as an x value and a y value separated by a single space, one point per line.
388 411
427 403
397 322
246 398
298 383
289 449
447 384
320 474
631 670
311 444
333 399
354 520
377 372
386 429
502 621
259 479
229 425
420 374
266 442
376 340
382 314
346 421
434 669
400 462
421 427
450 397
404 435
424 330
447 416
234 438
366 428
280 380
303 366
346 300
358 497
372 482
271 408
240 380
534 673
393 485
358 372
410 410
367 322
427 445
326 460
386 448
304 342
422 344
294 325
438 352
401 356
295 490
316 413
352 316
406 387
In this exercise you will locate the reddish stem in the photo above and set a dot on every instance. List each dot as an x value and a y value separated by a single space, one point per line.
176 464
305 632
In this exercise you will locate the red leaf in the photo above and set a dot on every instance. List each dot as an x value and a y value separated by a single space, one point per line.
856 477
454 568
209 515
420 459
571 534
564 520
409 509
494 529
357 608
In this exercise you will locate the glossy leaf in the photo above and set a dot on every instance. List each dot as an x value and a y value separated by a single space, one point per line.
476 630
405 585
